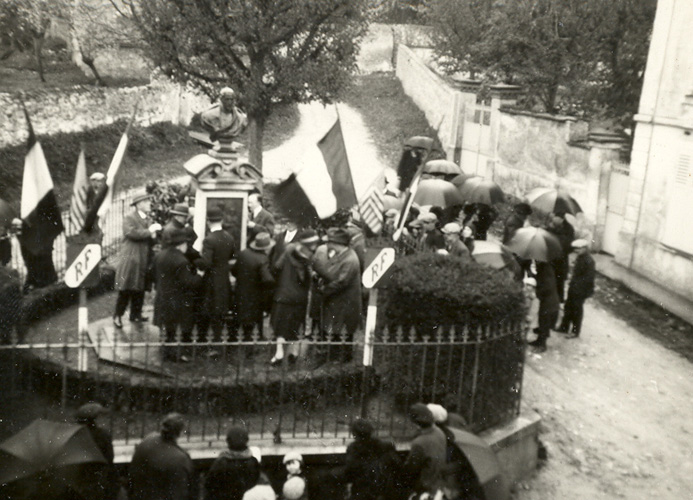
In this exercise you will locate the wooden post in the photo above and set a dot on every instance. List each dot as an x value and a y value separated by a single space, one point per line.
82 327
370 327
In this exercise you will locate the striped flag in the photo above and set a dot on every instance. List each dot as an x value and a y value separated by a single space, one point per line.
334 152
80 190
39 208
372 206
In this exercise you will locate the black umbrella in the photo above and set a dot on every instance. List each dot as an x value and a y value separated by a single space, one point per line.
535 243
550 200
50 456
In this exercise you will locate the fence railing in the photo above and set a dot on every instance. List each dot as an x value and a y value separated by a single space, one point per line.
475 372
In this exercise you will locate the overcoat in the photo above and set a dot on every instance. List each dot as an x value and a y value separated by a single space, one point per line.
217 249
161 470
582 282
341 292
133 260
176 285
253 285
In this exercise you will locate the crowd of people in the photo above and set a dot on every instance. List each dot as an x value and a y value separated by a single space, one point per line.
372 469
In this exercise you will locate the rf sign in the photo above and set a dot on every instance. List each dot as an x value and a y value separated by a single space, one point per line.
84 263
377 268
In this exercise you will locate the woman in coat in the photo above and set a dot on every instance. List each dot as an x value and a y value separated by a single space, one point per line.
131 272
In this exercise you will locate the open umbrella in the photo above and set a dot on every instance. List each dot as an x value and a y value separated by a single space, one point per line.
442 167
51 453
496 255
485 464
549 200
6 214
535 243
437 192
480 190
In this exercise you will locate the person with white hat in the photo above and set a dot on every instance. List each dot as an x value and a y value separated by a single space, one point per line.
453 243
581 287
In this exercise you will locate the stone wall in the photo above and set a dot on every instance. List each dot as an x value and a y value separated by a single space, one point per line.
85 107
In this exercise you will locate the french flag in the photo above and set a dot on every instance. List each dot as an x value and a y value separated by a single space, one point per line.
39 211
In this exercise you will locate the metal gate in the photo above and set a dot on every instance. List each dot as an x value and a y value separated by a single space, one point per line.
615 208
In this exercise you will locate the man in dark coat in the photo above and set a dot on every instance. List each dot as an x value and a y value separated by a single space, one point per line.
549 304
288 235
424 467
176 286
105 475
178 220
291 294
259 219
580 289
371 466
218 249
341 286
160 469
254 283
453 244
515 221
485 216
234 471
432 237
565 233
138 236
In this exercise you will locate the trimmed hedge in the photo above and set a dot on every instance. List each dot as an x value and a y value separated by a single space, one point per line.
428 290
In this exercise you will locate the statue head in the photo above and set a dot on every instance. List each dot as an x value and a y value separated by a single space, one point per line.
228 98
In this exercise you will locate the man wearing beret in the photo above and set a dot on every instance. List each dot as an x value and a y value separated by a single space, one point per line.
234 471
139 232
580 289
425 464
340 273
176 286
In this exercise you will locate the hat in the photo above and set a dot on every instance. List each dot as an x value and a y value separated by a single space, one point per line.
307 236
416 223
361 428
428 217
214 214
173 423
140 198
439 413
421 415
294 488
451 228
97 176
237 438
338 235
178 236
391 212
227 91
180 209
292 455
262 242
522 209
89 411
580 243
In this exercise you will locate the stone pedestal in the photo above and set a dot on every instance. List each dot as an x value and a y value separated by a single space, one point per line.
223 179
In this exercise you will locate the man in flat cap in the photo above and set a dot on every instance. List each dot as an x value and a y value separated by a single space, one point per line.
340 273
139 234
453 244
160 469
425 464
432 237
224 121
581 288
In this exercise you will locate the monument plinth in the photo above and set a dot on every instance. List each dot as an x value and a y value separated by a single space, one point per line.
223 179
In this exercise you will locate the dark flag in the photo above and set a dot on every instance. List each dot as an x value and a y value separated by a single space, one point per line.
39 209
334 152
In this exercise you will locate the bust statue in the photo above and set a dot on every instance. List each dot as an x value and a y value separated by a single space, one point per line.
224 121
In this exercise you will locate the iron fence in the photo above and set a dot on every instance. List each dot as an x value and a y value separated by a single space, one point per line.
476 372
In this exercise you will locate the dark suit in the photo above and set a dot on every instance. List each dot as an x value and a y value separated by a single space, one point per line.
263 219
278 250
218 248
565 234
549 303
168 230
253 285
580 289
176 285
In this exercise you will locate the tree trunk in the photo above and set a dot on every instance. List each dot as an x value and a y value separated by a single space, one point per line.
256 129
38 46
89 61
